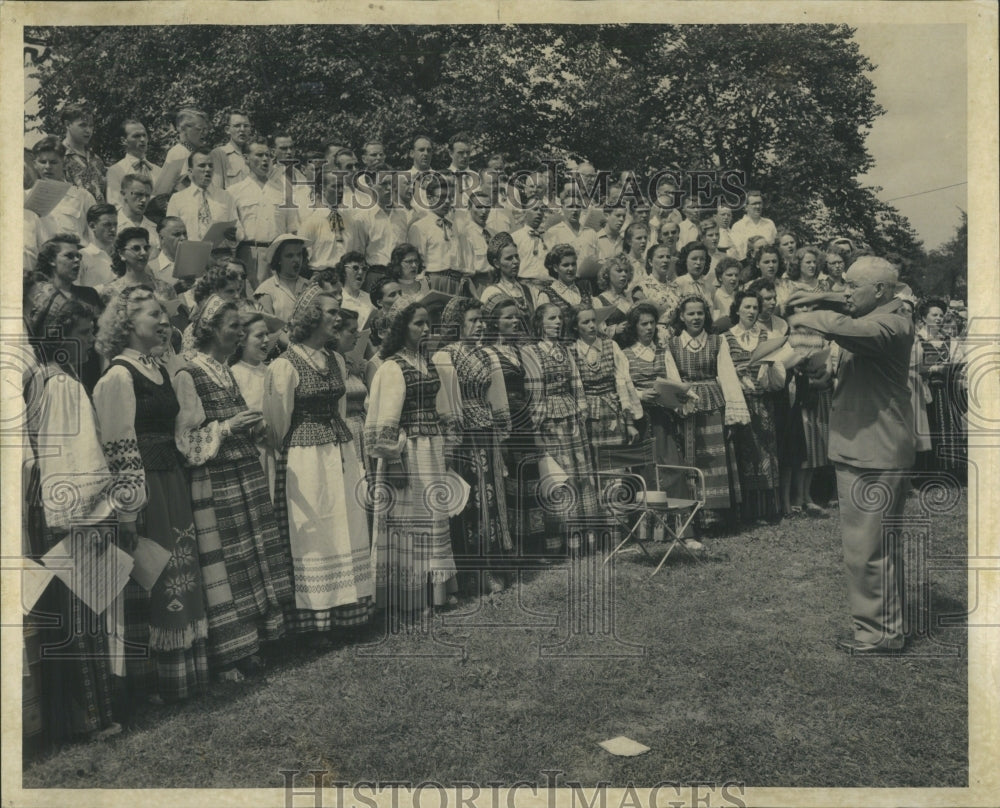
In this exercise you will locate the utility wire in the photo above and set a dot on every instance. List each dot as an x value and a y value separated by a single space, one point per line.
929 191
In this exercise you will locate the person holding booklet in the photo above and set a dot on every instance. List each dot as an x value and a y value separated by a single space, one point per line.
137 410
558 409
77 690
697 357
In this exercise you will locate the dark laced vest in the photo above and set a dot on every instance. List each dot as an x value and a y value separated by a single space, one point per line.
315 418
420 415
156 410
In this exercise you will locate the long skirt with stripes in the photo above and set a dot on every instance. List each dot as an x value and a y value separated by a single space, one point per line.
320 508
704 445
480 534
412 536
246 567
565 440
816 426
947 426
757 460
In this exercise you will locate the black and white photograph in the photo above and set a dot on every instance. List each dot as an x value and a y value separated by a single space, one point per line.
453 404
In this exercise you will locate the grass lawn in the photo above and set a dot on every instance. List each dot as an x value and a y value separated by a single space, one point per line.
726 669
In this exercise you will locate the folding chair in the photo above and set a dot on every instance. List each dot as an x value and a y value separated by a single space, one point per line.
665 506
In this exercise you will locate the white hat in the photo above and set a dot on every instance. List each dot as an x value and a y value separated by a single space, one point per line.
273 247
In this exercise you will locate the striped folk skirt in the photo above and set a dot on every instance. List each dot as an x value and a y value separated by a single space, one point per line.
527 518
246 567
816 426
320 505
757 460
412 536
565 441
481 534
704 445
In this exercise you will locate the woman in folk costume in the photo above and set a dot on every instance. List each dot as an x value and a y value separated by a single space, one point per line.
357 391
814 399
480 535
69 493
506 340
699 358
245 564
405 433
613 405
249 368
646 364
558 413
756 446
319 496
502 255
566 290
137 411
941 366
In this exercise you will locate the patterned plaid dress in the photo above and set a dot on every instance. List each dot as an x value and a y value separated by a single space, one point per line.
559 410
703 439
756 444
527 519
246 566
412 537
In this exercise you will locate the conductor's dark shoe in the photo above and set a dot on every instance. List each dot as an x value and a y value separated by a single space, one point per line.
886 648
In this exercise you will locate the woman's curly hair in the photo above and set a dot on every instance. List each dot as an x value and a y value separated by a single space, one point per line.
115 324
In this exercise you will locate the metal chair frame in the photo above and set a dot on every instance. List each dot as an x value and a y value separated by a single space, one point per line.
684 510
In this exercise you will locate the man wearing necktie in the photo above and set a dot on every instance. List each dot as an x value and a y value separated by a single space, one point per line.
475 237
136 142
135 191
331 228
435 237
532 247
201 204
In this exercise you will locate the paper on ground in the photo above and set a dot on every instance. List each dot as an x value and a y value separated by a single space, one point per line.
624 747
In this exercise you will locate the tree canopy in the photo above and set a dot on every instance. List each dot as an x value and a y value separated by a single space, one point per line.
790 105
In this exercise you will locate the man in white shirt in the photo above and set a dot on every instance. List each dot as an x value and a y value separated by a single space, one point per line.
95 258
609 237
501 217
691 226
466 180
261 211
171 233
229 165
475 237
664 207
70 214
570 231
380 228
202 204
532 247
752 224
420 154
81 166
135 191
332 228
136 142
192 128
436 239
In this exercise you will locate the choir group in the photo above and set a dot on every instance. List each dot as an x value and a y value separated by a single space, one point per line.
346 409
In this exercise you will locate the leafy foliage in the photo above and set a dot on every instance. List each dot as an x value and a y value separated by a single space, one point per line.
791 105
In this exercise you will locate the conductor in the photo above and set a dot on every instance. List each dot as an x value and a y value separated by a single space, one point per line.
871 442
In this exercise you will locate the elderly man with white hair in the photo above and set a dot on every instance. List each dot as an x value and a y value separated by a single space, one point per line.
871 443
